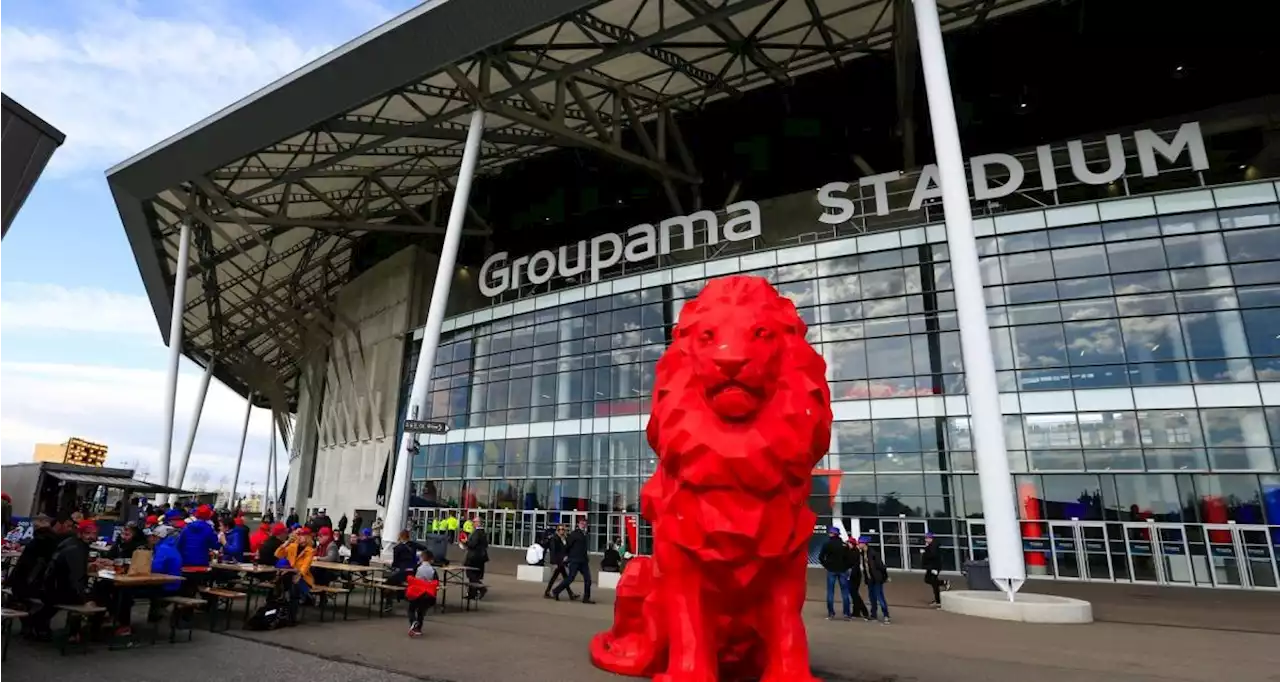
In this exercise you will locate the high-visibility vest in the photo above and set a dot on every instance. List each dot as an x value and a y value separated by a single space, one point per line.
453 523
468 527
435 525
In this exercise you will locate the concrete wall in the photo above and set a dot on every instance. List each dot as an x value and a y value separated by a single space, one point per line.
349 432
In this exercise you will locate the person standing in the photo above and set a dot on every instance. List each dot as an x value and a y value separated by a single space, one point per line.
876 574
292 519
576 562
342 524
477 546
557 553
931 561
855 581
357 524
835 557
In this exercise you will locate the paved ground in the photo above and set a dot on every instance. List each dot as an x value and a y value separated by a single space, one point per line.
520 637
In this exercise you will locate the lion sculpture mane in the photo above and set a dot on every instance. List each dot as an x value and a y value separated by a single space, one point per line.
741 415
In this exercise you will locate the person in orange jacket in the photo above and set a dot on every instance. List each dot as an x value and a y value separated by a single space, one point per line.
297 553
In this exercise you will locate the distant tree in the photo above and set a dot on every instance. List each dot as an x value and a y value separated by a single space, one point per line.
198 480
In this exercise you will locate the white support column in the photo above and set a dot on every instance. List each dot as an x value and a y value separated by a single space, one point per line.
398 499
175 350
271 466
244 436
1004 541
195 424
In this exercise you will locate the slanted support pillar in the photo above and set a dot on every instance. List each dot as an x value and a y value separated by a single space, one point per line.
244 436
195 425
175 350
1004 541
398 499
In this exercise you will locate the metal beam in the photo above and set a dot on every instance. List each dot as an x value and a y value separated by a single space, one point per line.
731 35
388 127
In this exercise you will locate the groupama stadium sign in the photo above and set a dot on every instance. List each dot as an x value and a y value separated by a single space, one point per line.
741 221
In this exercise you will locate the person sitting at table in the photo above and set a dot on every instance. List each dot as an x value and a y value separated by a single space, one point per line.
404 559
27 576
297 553
420 590
165 560
267 552
259 536
131 538
175 518
365 549
233 544
198 539
326 550
67 580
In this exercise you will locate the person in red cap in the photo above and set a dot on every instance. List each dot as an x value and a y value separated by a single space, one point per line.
198 539
152 521
258 536
67 581
267 552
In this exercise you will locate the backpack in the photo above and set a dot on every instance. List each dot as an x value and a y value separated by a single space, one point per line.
270 616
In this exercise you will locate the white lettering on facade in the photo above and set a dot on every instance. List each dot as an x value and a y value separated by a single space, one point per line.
742 219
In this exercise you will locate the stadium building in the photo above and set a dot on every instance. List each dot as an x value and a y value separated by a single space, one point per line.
579 170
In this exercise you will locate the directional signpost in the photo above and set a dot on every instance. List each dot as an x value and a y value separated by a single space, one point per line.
420 426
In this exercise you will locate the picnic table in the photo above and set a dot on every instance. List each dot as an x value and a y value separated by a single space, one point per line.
454 575
252 573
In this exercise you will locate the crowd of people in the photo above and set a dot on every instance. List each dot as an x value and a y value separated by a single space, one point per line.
852 563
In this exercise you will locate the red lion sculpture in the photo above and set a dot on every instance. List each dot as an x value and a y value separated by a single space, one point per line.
741 415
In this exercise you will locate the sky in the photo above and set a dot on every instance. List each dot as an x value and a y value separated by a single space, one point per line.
80 350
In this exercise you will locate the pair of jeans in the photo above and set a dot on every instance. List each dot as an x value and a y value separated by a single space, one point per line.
576 567
843 580
875 597
418 610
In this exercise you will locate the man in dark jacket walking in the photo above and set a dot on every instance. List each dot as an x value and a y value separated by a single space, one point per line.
576 562
931 562
557 555
836 558
876 574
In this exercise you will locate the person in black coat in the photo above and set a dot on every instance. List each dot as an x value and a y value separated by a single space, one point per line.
576 562
342 524
876 575
67 580
477 546
931 562
837 559
557 548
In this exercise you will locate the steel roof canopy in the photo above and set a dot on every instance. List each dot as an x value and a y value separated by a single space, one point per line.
366 139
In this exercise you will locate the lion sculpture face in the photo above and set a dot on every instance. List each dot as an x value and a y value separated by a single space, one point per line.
739 356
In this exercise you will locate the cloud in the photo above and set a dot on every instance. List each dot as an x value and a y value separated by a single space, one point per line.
124 408
53 307
117 81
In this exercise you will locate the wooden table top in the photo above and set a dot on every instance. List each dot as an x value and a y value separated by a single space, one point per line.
244 568
348 568
139 580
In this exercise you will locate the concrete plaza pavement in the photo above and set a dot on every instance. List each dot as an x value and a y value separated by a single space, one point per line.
517 636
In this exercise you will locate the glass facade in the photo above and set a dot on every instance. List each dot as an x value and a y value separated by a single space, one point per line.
1135 359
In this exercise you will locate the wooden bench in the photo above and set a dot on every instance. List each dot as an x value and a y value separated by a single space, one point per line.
221 599
8 616
180 605
386 594
76 614
324 592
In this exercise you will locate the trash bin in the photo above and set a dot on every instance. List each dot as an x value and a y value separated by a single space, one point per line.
977 576
438 544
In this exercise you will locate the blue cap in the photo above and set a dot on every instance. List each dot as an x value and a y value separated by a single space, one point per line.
929 534
833 530
862 540
366 532
172 514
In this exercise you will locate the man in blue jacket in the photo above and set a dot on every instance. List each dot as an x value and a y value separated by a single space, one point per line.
198 539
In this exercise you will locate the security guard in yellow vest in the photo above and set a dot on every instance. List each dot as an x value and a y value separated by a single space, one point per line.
435 525
451 526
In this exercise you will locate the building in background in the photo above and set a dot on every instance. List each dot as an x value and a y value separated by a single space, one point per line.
74 451
1125 210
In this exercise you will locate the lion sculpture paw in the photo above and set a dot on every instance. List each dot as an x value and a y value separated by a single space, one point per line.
741 415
